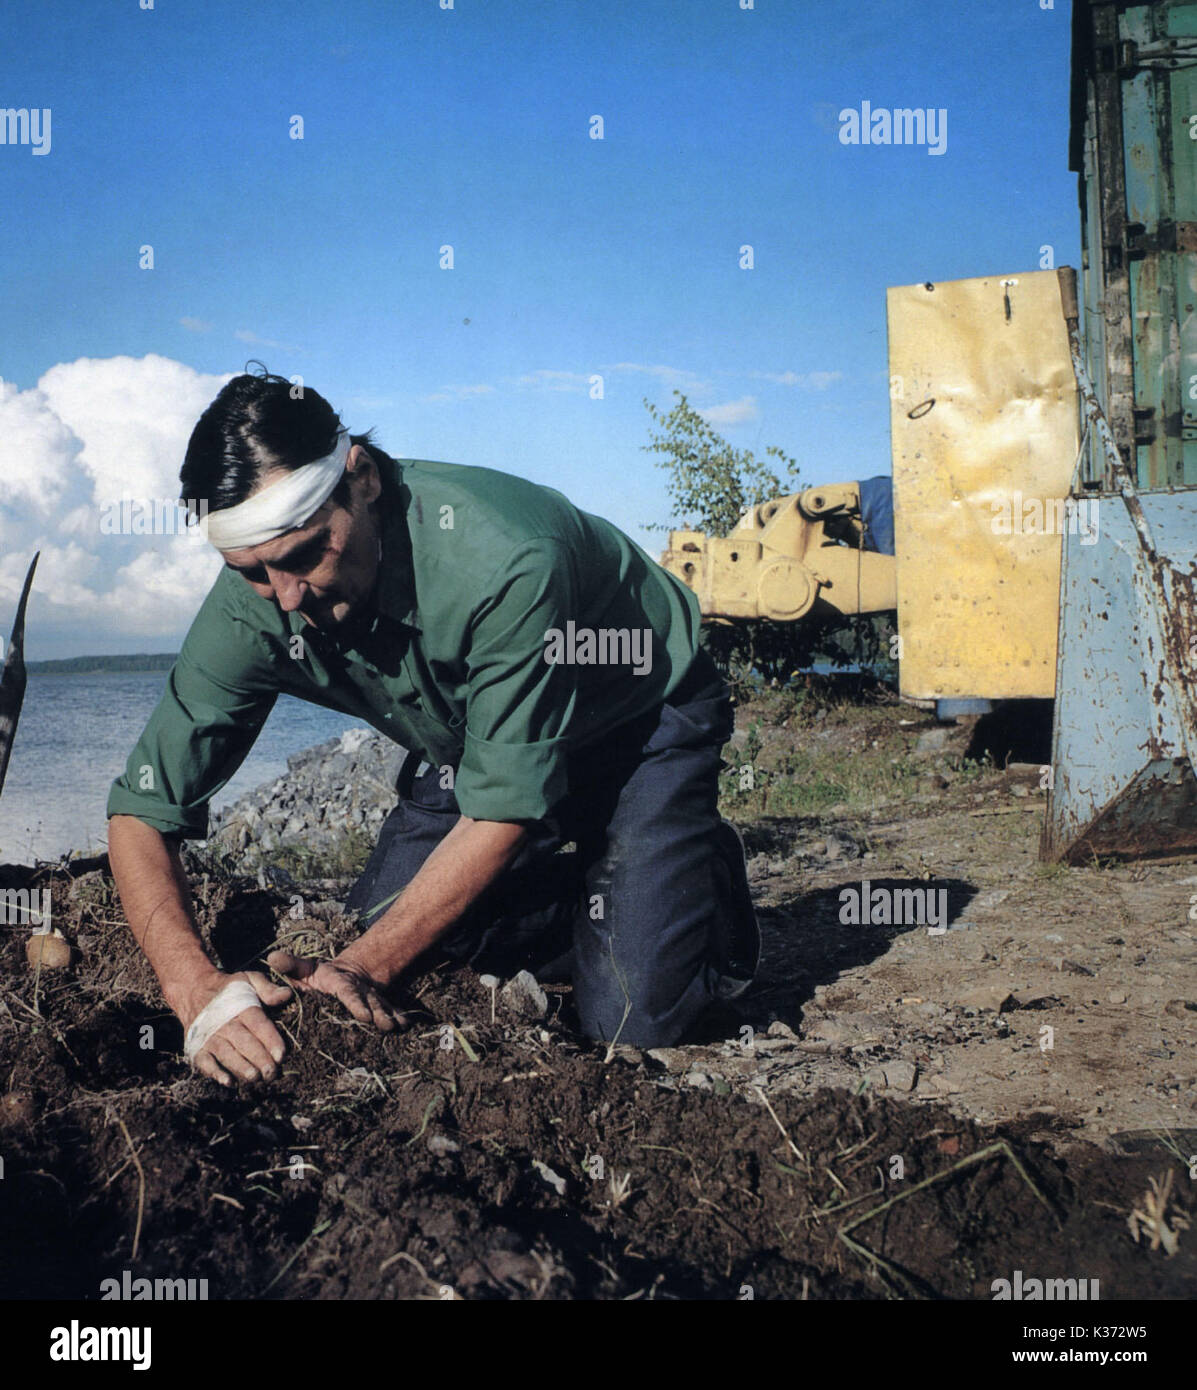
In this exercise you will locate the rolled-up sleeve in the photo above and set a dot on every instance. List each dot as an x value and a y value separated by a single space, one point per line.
213 708
519 705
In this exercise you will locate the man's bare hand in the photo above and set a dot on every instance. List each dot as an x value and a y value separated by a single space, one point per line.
356 988
248 1047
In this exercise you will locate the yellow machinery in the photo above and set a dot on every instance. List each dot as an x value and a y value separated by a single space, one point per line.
985 439
782 560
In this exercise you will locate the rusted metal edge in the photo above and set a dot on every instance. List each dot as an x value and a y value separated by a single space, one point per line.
13 679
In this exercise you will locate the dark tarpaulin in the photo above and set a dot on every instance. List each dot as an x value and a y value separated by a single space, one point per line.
877 513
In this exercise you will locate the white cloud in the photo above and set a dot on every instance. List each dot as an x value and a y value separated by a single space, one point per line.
459 393
244 335
89 433
811 381
671 376
132 416
733 413
820 381
36 451
548 379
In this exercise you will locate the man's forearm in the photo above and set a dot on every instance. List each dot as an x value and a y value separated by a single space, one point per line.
465 863
157 901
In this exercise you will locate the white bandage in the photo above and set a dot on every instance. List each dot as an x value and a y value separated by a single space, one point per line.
234 999
280 507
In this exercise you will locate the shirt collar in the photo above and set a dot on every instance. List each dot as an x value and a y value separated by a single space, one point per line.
395 596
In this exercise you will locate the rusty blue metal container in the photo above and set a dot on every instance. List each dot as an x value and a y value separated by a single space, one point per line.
1125 736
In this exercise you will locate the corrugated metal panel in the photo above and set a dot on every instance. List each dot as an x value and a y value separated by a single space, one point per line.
1134 97
984 436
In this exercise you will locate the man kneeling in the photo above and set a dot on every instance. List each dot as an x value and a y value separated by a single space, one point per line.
547 679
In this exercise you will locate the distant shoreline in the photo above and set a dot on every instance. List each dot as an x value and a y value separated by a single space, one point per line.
91 665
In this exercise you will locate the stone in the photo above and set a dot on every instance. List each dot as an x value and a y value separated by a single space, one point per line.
524 996
48 950
554 1180
827 1030
894 1076
987 999
934 741
900 1076
441 1145
673 1059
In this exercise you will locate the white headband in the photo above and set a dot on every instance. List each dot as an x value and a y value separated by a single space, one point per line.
280 507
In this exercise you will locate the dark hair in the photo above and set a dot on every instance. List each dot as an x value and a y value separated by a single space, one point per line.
258 422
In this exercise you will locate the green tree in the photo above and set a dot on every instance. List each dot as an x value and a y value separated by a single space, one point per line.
711 485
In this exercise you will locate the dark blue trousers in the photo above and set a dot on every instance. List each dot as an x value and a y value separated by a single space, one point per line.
650 917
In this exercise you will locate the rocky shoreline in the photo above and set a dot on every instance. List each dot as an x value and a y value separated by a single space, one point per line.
337 788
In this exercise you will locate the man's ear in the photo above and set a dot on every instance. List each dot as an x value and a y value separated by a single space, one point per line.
363 472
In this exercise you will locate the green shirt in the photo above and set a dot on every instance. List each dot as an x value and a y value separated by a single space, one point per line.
466 655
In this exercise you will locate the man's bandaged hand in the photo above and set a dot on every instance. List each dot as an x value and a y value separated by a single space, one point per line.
364 997
229 1035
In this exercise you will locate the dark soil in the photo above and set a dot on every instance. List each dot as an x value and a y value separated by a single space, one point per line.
430 1164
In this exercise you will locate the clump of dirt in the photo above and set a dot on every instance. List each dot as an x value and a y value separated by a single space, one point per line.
481 1155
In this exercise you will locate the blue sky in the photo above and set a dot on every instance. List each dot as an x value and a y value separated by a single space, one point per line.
470 127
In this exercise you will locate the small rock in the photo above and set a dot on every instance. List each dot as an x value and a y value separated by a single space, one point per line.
524 997
16 1108
1029 999
673 1059
441 1144
895 1076
1075 968
829 1031
778 1029
900 1076
1178 1008
1117 996
554 1180
49 949
933 740
993 897
300 1122
698 1079
987 998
